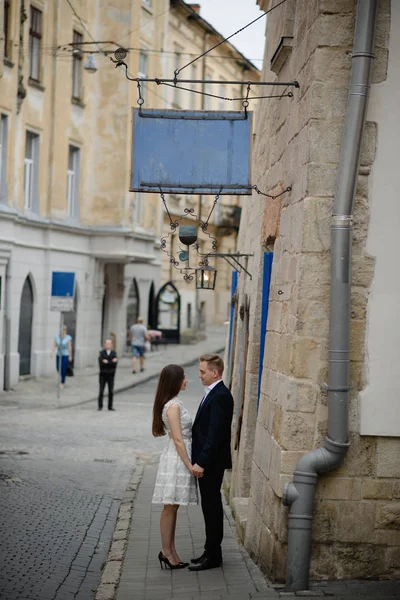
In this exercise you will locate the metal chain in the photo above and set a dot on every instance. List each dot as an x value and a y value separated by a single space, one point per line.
245 102
173 224
254 187
140 99
205 224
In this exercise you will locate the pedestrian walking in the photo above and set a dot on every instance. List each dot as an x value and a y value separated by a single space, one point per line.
138 337
211 455
108 364
62 346
175 484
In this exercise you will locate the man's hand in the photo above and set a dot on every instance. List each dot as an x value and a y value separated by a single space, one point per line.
197 471
105 361
115 360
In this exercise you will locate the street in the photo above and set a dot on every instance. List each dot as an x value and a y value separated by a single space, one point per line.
62 473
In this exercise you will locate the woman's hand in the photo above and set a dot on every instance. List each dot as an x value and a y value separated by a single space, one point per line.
197 471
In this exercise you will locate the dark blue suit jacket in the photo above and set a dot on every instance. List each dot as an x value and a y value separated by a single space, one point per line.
211 432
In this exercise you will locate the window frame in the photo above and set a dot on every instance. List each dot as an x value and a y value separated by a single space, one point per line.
35 58
139 205
73 181
176 94
77 66
143 73
3 156
222 92
6 27
31 168
207 90
193 96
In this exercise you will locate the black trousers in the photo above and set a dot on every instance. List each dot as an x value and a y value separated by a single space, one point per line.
106 378
211 505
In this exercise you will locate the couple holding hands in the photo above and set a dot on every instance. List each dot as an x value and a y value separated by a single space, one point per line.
197 452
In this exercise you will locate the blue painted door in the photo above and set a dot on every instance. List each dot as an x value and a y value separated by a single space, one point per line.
267 268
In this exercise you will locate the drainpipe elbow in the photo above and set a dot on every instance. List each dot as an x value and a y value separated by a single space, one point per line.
333 455
290 494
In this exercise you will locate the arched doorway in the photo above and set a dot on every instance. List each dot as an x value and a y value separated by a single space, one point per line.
151 317
70 321
168 308
132 308
25 328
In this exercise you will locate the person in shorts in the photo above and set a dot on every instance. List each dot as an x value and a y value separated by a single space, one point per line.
138 337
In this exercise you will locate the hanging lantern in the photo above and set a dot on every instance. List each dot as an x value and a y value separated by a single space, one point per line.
90 64
205 278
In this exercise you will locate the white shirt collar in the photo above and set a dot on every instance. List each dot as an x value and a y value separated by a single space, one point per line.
210 387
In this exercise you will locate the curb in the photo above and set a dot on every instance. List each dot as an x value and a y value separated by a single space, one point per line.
111 574
124 388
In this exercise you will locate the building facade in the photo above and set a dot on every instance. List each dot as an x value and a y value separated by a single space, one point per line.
279 376
65 150
64 181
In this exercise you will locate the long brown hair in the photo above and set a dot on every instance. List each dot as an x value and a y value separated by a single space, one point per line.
169 386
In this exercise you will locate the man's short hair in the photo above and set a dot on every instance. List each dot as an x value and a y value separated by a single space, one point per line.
214 362
140 320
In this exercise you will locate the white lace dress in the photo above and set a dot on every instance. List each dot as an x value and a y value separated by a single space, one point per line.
175 484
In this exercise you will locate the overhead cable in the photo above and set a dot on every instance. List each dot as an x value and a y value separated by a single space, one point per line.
177 71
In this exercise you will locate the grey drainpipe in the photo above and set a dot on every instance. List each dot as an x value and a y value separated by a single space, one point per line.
299 495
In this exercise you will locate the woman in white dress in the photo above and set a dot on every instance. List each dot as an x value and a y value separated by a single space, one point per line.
175 484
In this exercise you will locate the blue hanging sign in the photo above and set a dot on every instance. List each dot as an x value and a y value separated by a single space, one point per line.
191 152
62 291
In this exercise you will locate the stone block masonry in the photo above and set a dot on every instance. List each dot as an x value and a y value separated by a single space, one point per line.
298 143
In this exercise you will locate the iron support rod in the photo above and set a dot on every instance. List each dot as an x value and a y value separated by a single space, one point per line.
241 266
217 81
223 255
234 267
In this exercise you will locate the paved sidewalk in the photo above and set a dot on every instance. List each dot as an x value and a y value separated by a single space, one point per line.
143 579
41 392
238 579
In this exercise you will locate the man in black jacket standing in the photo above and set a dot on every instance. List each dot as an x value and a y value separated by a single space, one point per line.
108 364
211 455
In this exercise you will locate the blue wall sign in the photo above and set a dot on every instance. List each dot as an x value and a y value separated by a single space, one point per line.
191 152
62 291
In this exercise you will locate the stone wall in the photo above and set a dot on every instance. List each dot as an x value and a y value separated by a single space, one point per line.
356 526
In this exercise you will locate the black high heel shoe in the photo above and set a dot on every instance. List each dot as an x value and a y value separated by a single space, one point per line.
164 563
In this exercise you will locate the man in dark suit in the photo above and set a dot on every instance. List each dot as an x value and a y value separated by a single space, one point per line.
211 455
108 364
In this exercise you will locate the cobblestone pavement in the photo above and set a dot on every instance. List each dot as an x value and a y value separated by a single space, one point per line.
62 476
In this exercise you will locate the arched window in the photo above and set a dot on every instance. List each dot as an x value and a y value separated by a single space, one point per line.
168 307
151 317
25 328
132 308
